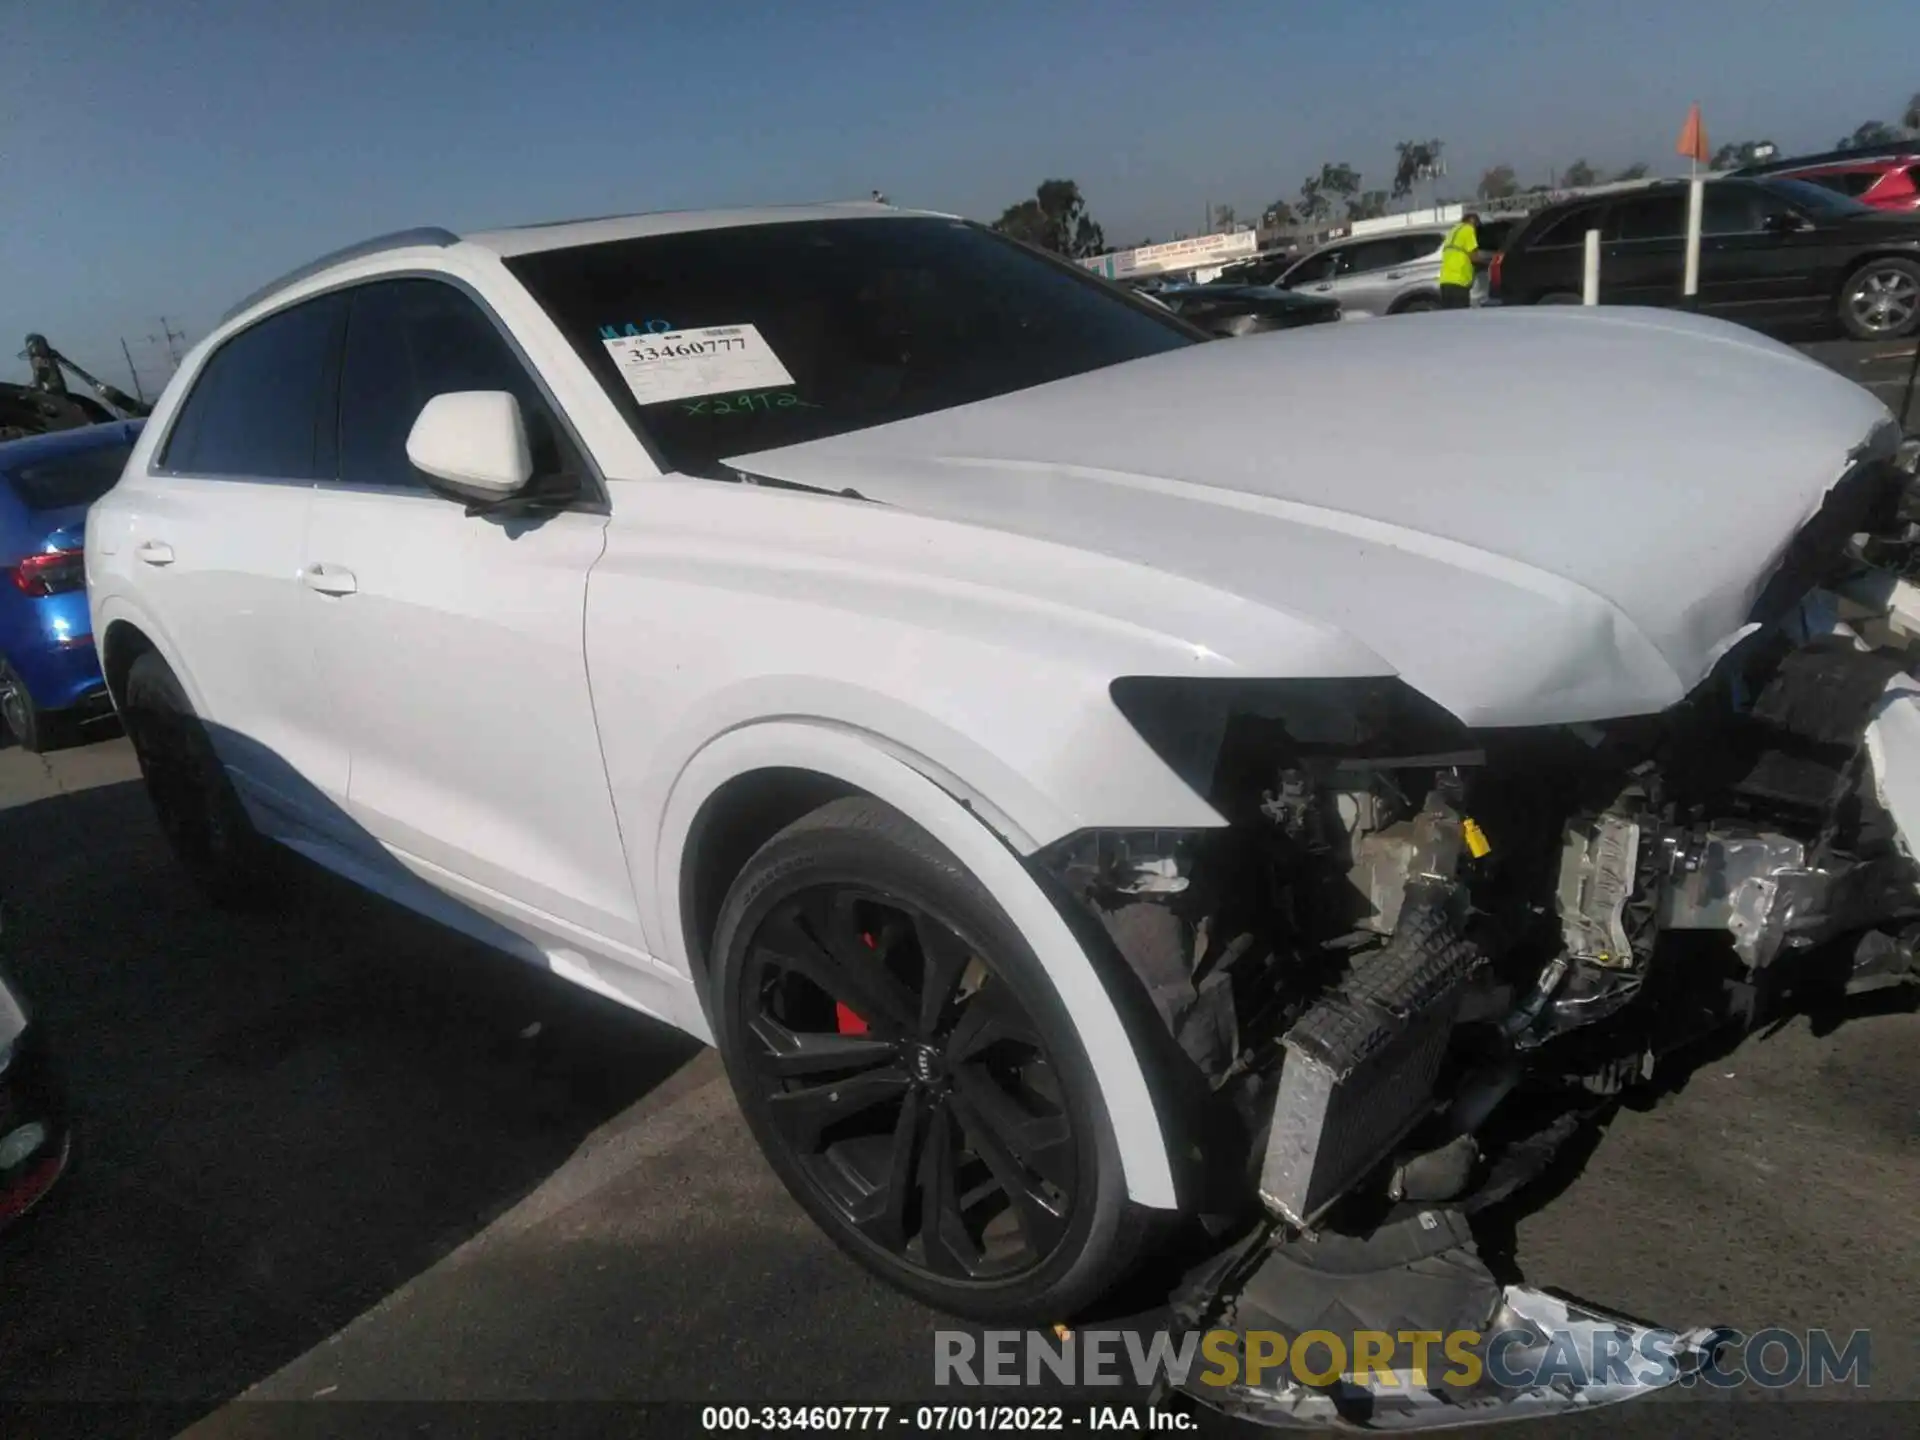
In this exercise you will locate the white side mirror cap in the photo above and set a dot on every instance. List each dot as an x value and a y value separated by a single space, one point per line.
474 442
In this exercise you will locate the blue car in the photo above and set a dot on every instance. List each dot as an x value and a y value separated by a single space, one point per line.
49 670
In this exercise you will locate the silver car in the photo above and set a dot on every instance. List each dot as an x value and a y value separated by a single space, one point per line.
1375 275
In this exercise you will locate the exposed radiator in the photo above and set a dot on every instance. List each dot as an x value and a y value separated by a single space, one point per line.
1361 1065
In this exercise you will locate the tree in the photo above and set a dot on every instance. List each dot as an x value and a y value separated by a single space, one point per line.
1874 132
1314 205
1222 218
1339 179
1368 205
1635 171
1578 176
1417 160
1055 219
1741 152
1277 216
1910 117
1499 183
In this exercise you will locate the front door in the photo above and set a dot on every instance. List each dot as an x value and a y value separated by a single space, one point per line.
1760 261
453 644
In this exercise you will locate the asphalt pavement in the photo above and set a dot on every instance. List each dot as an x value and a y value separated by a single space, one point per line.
338 1154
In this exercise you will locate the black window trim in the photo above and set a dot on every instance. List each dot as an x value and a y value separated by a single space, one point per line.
598 502
157 466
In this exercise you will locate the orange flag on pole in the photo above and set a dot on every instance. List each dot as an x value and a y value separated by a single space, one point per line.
1693 137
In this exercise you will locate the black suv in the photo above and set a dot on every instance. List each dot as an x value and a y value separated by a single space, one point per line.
1773 253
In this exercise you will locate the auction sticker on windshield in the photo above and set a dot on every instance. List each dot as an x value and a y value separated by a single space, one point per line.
680 364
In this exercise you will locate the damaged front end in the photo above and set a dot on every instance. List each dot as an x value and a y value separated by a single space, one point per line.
1421 959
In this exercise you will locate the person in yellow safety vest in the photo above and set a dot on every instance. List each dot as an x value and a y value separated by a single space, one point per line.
1457 261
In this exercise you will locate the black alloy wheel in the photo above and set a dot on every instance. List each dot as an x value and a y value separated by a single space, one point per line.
911 1074
912 1088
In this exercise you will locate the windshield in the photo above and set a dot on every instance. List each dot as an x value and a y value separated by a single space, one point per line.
79 477
716 343
1816 199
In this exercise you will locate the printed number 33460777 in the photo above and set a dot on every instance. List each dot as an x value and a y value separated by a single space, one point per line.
682 349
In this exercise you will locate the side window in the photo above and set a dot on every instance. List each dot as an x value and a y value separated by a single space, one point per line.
1650 217
1570 229
1423 247
1315 268
407 341
262 405
1735 210
1373 256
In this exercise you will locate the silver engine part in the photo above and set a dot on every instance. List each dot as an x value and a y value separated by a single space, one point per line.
1597 868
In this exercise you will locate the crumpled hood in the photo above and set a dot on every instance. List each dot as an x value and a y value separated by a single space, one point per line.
1533 516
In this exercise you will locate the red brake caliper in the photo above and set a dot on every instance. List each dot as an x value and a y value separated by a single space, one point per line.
844 1019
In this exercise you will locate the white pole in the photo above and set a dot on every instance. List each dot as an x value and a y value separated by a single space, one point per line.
1590 274
1696 197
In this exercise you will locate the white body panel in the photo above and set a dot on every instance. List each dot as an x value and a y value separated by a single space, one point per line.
513 725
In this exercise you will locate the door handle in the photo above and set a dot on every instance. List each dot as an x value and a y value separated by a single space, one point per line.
154 552
1396 274
329 579
1323 287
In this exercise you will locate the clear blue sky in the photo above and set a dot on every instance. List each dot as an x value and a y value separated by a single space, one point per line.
165 157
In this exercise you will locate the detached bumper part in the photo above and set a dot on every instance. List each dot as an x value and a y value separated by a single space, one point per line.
1536 1354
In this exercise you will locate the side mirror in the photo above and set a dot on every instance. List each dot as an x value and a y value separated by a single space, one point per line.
1784 222
473 443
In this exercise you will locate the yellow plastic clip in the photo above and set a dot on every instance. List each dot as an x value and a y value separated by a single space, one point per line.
1477 844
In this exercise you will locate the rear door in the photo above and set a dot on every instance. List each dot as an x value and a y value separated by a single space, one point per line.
1376 272
453 644
1546 261
1643 250
210 538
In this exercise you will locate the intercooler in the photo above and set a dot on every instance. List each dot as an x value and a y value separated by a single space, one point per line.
1361 1065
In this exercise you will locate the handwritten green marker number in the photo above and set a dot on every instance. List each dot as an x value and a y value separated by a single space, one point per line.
753 402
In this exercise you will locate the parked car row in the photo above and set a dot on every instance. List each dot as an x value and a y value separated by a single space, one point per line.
1824 240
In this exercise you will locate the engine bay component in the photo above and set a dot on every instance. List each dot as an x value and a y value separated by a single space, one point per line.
1597 870
1361 1065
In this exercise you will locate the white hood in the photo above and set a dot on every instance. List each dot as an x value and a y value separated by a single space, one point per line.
1532 516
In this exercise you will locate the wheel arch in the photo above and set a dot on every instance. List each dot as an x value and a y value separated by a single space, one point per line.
125 633
753 781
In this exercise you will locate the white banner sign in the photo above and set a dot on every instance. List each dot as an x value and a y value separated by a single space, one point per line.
1194 253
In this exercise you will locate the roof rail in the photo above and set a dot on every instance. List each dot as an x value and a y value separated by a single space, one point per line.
400 239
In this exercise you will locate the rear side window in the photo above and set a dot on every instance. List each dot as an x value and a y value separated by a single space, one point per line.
1569 229
1650 217
407 341
79 478
263 404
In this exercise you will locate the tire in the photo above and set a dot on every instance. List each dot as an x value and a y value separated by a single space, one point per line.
34 729
194 800
1881 300
1560 297
828 946
1416 305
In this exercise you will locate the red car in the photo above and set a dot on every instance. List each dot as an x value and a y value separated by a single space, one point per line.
1887 177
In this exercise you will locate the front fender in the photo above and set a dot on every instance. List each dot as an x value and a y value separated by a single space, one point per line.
856 760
